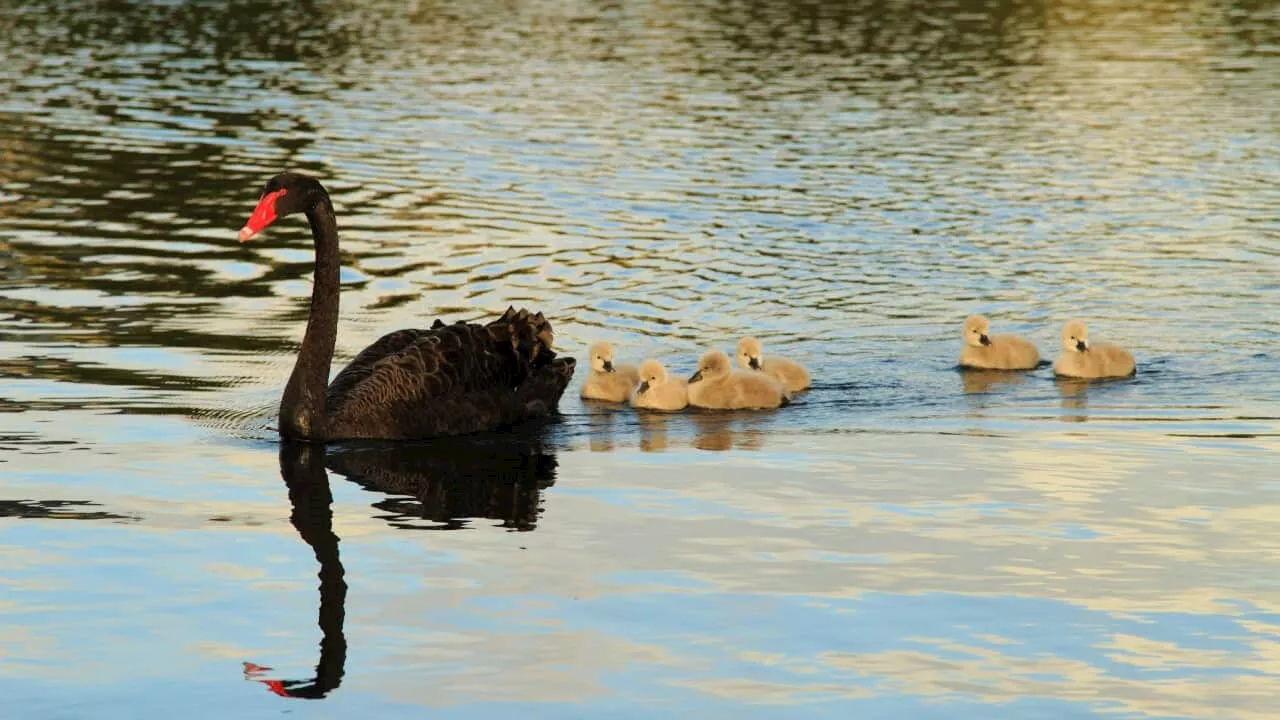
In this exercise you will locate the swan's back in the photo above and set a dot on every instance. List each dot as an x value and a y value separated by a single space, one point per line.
449 380
756 390
793 376
1083 359
739 390
1117 361
613 386
1102 360
1006 352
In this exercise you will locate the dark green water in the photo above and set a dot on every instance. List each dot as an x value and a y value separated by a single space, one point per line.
846 180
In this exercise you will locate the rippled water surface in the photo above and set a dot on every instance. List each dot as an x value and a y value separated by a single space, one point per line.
846 180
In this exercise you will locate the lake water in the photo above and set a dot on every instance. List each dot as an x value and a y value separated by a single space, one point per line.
846 180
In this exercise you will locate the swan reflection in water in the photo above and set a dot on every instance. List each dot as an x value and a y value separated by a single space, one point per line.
653 431
447 481
715 431
302 467
977 382
602 424
1075 397
712 430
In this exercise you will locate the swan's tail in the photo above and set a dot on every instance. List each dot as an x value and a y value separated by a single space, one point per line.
529 333
545 375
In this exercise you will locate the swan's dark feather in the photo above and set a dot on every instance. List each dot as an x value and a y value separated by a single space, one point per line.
449 380
360 367
410 384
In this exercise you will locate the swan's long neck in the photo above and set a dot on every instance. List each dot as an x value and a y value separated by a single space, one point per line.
302 411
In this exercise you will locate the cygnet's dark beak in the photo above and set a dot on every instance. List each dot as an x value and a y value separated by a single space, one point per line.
643 388
608 366
1081 346
754 363
695 377
984 339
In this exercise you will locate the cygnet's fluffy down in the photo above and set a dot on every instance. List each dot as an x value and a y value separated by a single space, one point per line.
1083 359
995 352
657 391
717 386
793 376
606 381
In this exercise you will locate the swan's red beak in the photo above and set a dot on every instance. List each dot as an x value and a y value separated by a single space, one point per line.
262 216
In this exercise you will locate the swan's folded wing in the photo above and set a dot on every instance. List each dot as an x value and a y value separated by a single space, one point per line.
450 378
435 363
361 367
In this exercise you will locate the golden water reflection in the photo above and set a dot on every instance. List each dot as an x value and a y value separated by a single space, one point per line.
847 179
1021 570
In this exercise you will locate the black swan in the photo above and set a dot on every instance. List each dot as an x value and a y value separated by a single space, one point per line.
410 384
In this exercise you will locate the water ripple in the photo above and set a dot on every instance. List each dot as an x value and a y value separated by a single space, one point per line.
846 180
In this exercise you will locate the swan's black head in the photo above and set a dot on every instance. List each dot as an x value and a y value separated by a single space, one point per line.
284 194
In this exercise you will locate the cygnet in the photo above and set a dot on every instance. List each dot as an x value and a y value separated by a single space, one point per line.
717 386
793 376
606 381
1083 359
995 352
657 391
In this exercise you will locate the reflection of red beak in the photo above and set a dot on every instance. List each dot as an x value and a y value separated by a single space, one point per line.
276 687
262 216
